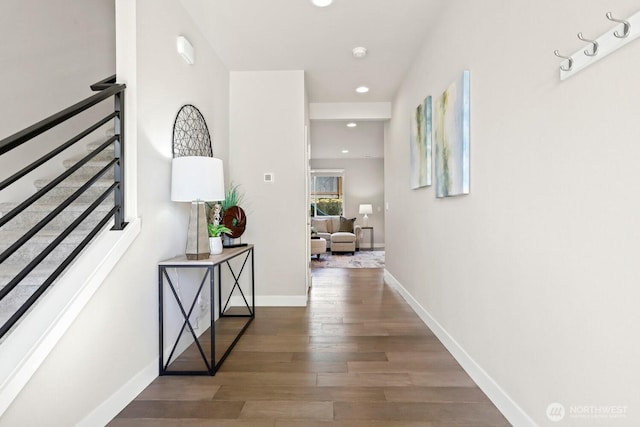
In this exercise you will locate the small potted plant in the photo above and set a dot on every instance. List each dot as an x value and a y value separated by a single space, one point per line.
215 240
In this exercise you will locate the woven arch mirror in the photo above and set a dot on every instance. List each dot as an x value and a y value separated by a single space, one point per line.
191 134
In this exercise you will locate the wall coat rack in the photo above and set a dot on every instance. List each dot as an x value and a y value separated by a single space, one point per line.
625 32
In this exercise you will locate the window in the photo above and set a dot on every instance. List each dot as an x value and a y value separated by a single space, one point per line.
326 193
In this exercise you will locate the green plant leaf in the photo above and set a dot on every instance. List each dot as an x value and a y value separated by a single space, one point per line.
217 230
232 197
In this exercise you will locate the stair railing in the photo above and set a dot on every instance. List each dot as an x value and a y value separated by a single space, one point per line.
107 89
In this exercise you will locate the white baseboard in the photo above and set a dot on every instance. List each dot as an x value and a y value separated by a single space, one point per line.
111 407
514 414
510 409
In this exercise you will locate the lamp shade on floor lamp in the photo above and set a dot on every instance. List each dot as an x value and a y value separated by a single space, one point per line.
365 210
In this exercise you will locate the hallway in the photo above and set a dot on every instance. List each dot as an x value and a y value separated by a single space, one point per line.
356 356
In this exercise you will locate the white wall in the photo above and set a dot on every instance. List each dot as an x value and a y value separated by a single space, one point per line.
267 130
363 183
52 50
534 274
113 343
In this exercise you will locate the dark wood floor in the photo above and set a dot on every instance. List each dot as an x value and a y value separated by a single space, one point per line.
356 356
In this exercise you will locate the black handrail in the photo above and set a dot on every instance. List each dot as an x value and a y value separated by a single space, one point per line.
53 184
54 213
104 84
33 166
42 255
63 265
19 138
108 88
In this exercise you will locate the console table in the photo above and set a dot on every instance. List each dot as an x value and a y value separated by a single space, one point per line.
210 266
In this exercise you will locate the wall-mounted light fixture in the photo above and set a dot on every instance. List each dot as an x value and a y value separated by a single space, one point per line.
359 52
185 49
321 3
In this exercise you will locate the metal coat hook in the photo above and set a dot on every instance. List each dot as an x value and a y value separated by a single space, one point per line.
568 58
618 35
626 28
593 42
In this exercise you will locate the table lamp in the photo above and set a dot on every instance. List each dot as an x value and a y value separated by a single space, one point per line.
197 179
365 209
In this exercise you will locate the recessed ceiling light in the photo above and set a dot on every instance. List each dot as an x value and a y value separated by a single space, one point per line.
322 3
352 125
359 52
362 89
345 151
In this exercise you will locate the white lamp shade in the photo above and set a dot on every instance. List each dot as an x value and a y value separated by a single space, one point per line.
196 178
366 209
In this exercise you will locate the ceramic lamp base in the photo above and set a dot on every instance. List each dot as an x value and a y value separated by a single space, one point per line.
197 235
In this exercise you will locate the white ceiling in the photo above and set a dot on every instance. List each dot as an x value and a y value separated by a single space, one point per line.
329 138
295 35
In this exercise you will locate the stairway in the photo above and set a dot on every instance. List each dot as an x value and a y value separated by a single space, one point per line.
29 218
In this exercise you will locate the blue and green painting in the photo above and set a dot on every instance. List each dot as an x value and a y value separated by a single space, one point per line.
420 149
451 134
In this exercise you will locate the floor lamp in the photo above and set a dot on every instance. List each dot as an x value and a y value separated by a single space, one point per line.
365 209
197 179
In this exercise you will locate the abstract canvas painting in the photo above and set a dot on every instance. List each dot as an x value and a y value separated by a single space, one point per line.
451 134
420 149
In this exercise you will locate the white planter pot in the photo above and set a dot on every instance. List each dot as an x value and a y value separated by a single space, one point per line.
215 245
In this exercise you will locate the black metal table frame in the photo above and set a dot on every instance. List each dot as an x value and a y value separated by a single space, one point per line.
210 266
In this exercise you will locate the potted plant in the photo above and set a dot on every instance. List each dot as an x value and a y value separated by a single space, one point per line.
215 240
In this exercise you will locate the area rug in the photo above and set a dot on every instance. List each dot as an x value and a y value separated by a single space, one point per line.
363 259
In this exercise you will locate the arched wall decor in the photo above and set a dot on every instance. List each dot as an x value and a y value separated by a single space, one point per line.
191 134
